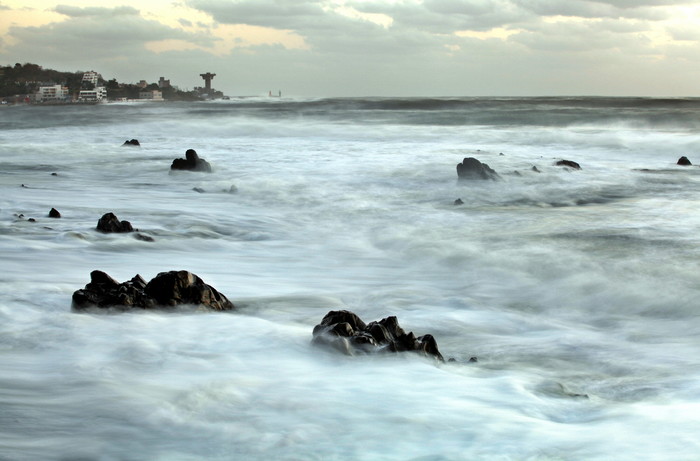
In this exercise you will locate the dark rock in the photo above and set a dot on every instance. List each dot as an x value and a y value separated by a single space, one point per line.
346 332
31 220
459 202
53 213
109 223
167 289
471 168
191 162
568 164
54 174
132 142
683 161
198 189
534 168
144 237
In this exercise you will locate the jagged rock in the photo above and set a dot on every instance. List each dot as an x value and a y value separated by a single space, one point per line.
346 332
191 162
110 223
167 289
568 164
683 161
471 168
53 213
458 202
132 142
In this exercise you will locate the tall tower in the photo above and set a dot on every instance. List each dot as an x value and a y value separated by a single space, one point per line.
207 80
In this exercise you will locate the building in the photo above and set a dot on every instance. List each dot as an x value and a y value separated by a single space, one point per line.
96 95
151 95
52 93
163 83
91 77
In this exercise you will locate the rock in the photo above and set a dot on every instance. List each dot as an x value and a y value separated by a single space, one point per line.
109 223
132 142
191 162
459 202
534 168
347 333
167 289
683 161
53 213
568 164
471 168
144 237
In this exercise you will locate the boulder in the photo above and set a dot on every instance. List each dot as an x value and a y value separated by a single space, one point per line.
471 168
191 162
54 213
346 332
132 142
109 223
683 161
166 290
568 164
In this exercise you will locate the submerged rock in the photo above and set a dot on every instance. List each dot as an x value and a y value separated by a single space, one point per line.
471 168
346 332
109 223
191 162
683 161
167 289
568 164
132 142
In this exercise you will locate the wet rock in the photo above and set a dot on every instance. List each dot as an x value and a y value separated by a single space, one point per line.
53 213
144 237
166 290
346 332
109 223
683 161
191 162
132 142
471 168
568 164
458 202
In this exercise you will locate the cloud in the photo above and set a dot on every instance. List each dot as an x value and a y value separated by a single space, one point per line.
96 33
278 14
77 12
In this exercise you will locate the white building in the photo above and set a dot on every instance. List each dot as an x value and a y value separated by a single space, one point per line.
52 93
91 77
152 95
96 95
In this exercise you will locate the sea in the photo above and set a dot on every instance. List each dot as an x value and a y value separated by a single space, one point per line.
577 291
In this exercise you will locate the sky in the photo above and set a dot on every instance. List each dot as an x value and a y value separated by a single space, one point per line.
347 48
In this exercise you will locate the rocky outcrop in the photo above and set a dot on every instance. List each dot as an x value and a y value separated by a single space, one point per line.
191 162
166 290
132 142
568 164
471 168
346 332
109 223
54 213
683 161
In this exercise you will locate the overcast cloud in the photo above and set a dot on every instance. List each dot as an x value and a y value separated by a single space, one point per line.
372 47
